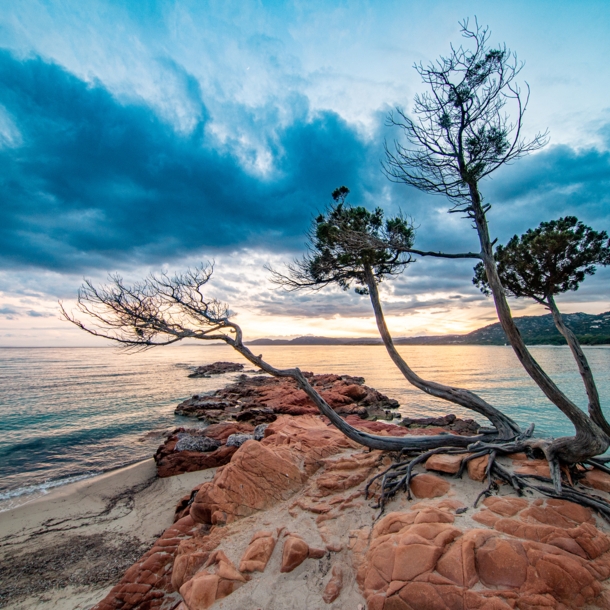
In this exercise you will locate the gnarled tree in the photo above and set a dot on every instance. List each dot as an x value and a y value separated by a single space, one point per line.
162 310
553 259
461 133
350 246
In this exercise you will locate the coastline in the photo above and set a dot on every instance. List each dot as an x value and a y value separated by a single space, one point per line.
65 550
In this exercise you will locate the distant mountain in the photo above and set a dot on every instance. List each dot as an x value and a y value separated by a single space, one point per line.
540 330
536 330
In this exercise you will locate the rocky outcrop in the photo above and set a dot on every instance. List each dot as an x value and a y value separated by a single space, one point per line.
286 524
264 473
260 399
540 554
189 450
217 368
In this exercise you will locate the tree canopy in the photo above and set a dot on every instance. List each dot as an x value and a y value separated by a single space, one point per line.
461 131
552 259
345 241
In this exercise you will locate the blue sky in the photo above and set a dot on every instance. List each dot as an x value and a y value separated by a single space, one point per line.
143 135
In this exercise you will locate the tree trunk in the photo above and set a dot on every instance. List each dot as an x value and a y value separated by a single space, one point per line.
373 441
589 439
505 426
595 409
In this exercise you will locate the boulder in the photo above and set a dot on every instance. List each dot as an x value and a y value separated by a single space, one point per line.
597 480
295 552
477 468
429 486
443 462
189 442
261 474
217 368
258 553
237 440
189 450
334 585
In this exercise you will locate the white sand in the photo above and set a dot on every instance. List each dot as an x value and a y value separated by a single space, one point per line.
123 510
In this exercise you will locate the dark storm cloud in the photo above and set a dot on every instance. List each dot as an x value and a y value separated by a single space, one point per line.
94 181
88 181
556 182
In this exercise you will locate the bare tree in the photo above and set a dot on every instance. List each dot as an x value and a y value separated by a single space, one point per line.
549 260
162 310
352 246
461 133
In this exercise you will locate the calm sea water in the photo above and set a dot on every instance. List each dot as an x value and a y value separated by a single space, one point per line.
70 413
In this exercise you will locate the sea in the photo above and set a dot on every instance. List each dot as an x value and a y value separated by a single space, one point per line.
71 413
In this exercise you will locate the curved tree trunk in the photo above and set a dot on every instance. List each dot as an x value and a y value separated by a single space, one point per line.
373 441
505 426
589 440
595 409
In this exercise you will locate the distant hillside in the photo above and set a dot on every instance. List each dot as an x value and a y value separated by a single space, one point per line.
540 330
536 330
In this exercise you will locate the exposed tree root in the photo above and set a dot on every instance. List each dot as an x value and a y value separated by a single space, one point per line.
399 475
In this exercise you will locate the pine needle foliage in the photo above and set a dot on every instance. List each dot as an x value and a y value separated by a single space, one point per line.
346 240
552 259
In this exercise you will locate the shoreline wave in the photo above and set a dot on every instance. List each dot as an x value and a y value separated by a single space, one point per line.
13 498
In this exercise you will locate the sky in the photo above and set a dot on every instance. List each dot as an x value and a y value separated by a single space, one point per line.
145 136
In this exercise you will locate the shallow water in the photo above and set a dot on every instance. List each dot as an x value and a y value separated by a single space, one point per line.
68 413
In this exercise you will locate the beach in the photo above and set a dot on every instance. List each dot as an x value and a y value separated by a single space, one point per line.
67 549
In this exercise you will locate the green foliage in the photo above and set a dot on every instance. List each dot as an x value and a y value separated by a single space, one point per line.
549 260
346 240
459 131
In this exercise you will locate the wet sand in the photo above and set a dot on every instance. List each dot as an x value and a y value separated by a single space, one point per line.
67 549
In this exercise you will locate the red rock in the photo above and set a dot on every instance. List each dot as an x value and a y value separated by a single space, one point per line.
546 515
444 462
180 462
316 553
501 563
449 504
258 553
223 430
218 579
186 565
393 522
149 579
486 517
423 596
477 468
433 515
256 477
506 506
377 427
394 603
296 551
537 467
334 585
199 593
429 486
565 577
575 512
458 563
597 480
414 559
264 396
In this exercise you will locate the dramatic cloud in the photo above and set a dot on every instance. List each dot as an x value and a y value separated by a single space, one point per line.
90 181
137 139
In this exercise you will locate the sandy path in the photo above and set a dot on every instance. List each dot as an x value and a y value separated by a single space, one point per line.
66 550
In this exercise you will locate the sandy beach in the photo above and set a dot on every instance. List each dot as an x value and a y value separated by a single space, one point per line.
67 549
